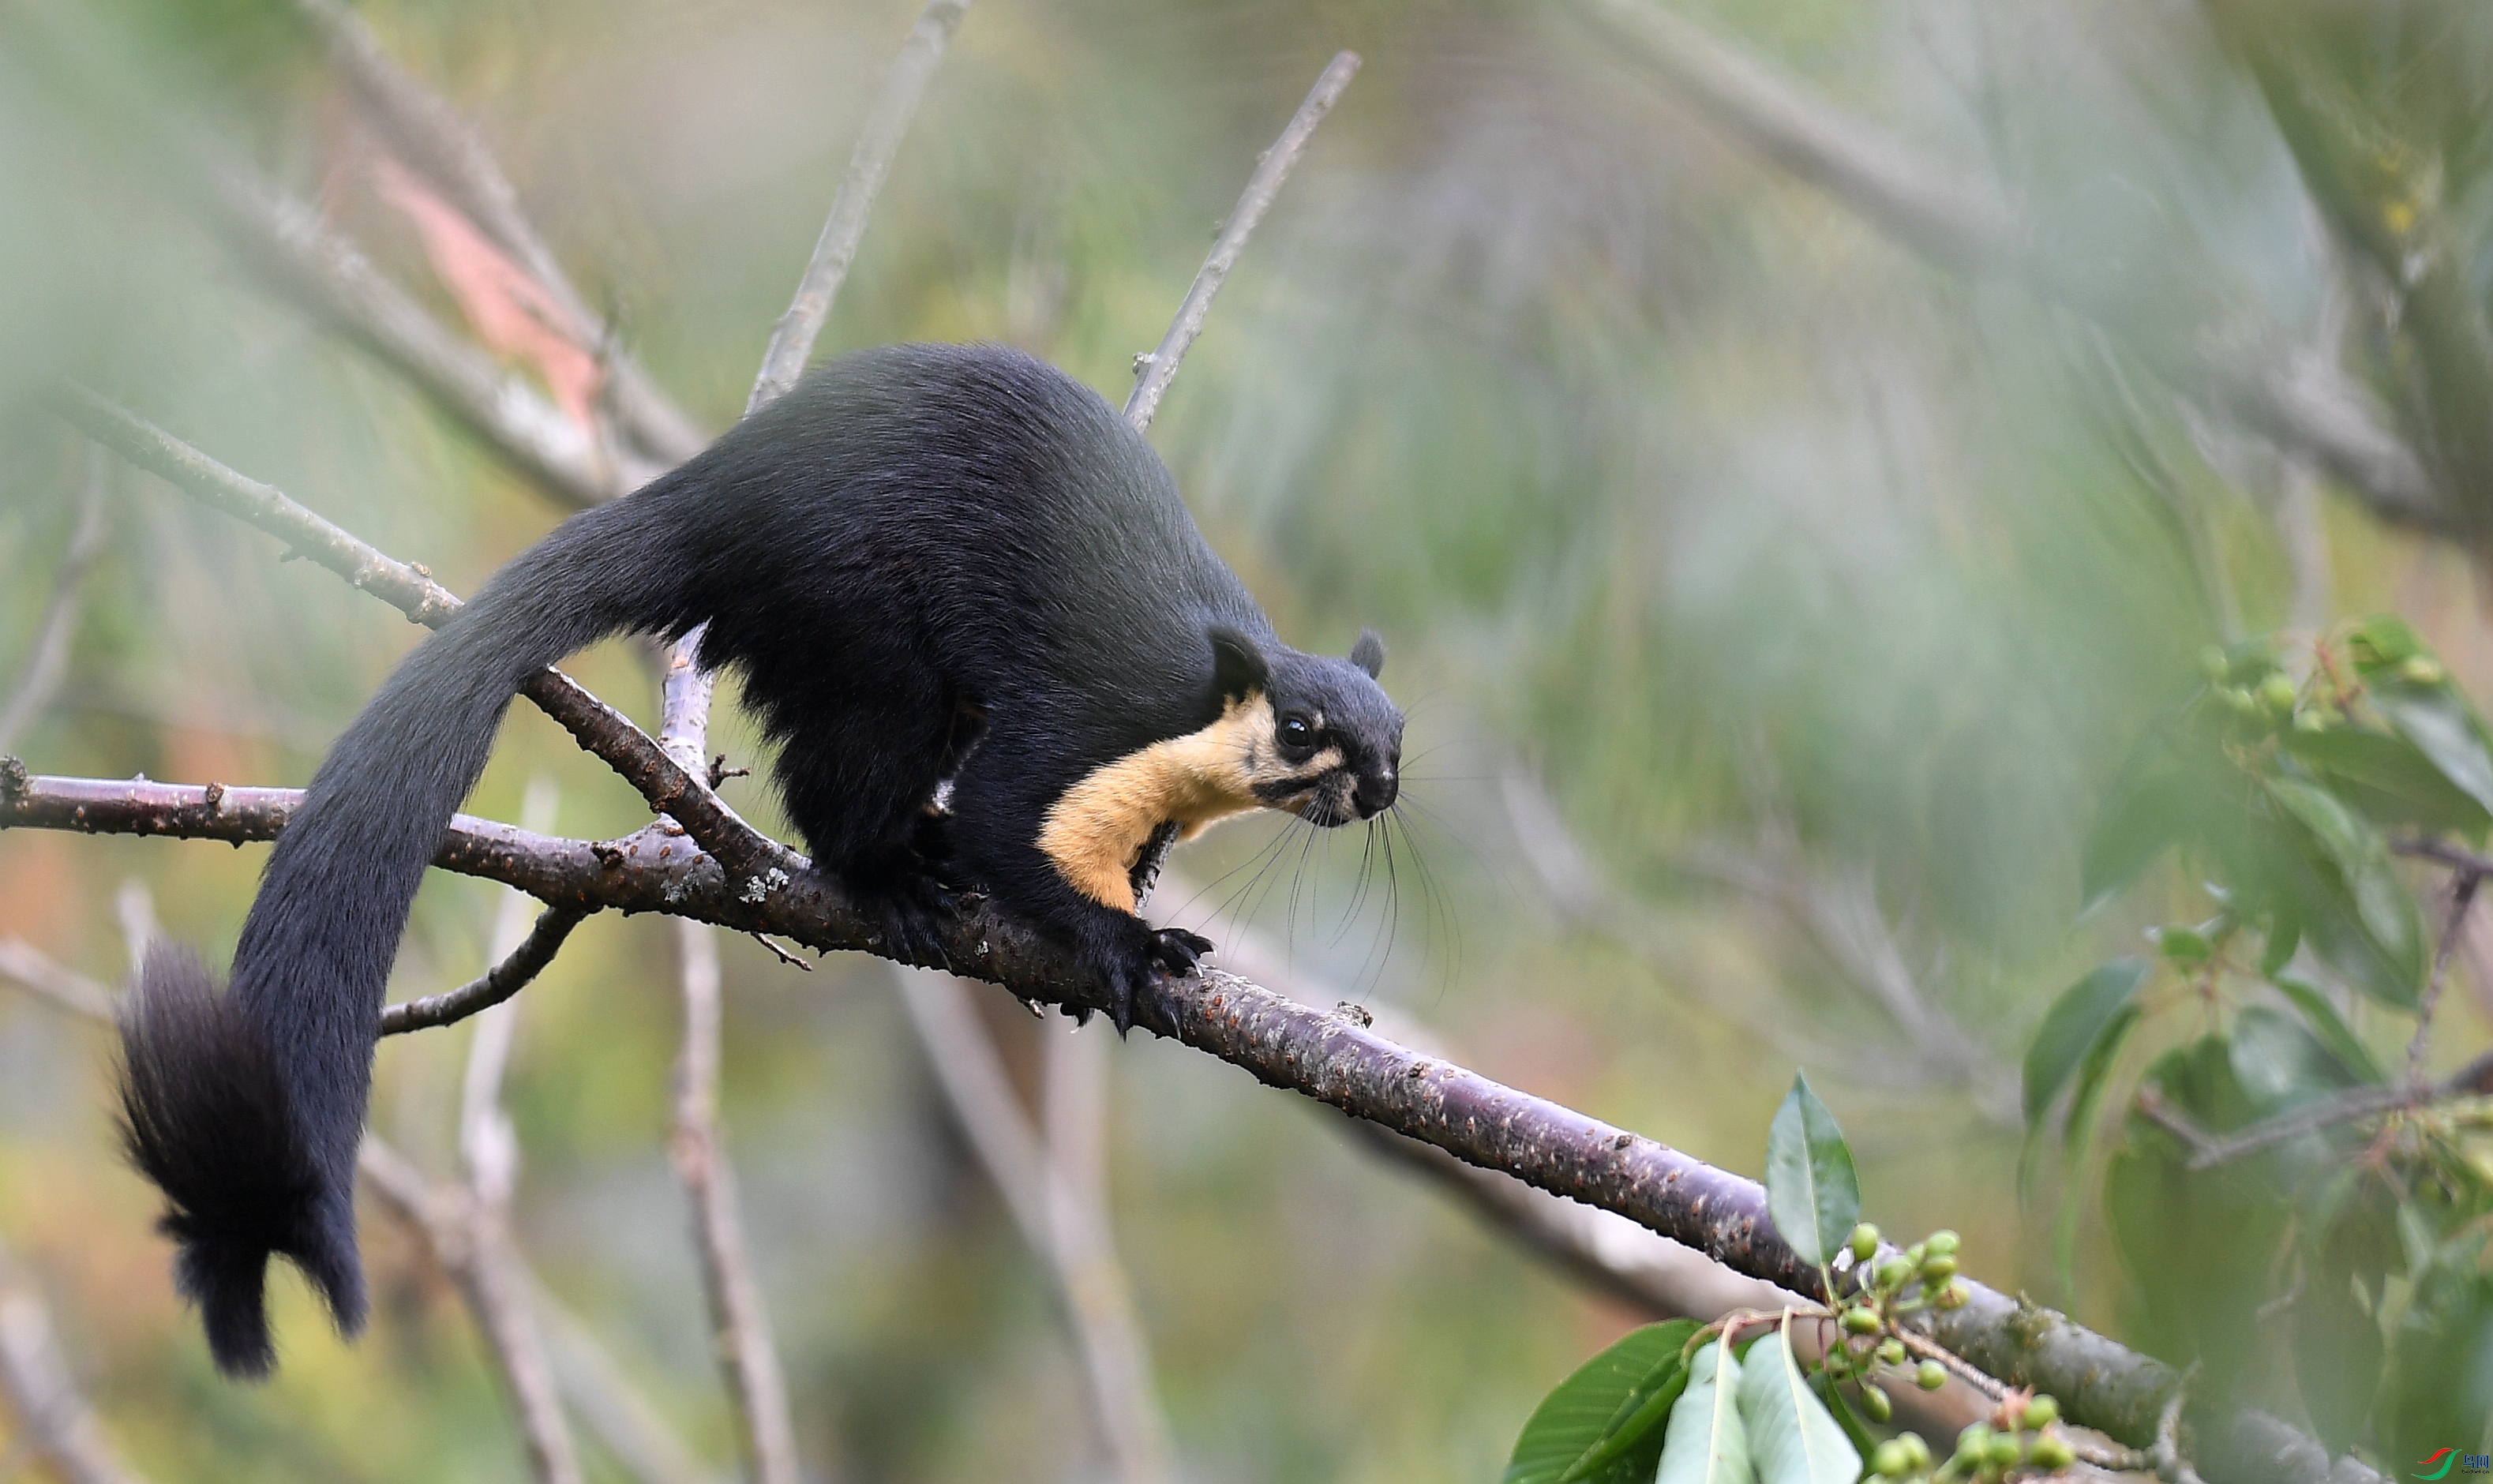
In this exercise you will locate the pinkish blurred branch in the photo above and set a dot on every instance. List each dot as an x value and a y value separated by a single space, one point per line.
48 657
57 1424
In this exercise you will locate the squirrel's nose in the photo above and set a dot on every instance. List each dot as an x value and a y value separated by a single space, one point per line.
1375 794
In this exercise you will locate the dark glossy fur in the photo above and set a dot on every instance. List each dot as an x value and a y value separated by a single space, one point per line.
913 536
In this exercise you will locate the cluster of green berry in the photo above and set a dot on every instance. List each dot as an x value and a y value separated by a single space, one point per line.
2253 689
1867 1342
2020 1437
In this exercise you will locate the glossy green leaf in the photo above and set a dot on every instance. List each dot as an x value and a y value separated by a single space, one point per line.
2331 1029
1812 1191
1792 1438
2365 919
1604 1396
2279 1064
1707 1443
2445 729
2074 1024
2381 644
2390 779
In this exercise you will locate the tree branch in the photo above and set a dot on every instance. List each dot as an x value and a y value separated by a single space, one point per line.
2300 400
424 130
44 1392
1277 1041
677 791
886 123
740 1324
287 243
1066 1231
48 657
1152 372
495 985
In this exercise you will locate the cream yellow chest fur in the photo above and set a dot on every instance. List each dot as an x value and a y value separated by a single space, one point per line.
1097 831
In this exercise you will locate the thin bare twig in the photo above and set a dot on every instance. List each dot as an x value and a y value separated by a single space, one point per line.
2453 928
48 658
886 124
739 1324
1066 1228
492 988
58 1424
2300 400
1154 372
609 1404
430 134
682 794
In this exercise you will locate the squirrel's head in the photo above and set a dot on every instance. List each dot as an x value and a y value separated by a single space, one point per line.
1334 750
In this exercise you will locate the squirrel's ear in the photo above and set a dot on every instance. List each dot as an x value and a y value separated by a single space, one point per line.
1237 665
1368 654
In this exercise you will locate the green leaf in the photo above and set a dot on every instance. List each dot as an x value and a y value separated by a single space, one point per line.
2073 1025
1792 1438
2445 729
1707 1443
2183 945
1812 1191
2284 936
2278 1064
2383 643
2367 926
2332 1029
1845 1417
1591 1407
2390 779
2146 813
2076 1135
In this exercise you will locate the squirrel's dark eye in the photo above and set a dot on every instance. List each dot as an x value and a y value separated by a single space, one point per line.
1295 733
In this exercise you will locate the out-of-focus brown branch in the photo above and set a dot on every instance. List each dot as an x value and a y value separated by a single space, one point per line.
58 1424
682 794
424 130
1155 371
610 1404
886 124
1067 1232
56 982
465 1235
739 1324
2299 399
48 657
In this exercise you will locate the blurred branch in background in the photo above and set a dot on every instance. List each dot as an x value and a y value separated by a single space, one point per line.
1154 372
55 1424
48 658
1836 909
1063 1223
740 1324
2302 400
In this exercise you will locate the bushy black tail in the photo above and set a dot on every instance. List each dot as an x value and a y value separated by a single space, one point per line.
246 1106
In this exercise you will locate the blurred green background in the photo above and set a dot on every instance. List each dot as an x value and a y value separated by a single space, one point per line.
1789 594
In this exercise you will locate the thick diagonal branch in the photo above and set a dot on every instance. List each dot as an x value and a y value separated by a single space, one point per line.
1322 1055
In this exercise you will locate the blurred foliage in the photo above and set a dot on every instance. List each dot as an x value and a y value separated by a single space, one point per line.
1777 561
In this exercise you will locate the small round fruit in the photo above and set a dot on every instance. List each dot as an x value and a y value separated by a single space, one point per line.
1973 1442
1874 1402
2277 691
1940 1244
2003 1451
2040 1413
1861 1321
2212 662
2052 1453
1930 1376
1891 1460
1938 1268
1895 1272
1956 1295
1864 1242
1891 1352
2237 700
1920 1450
